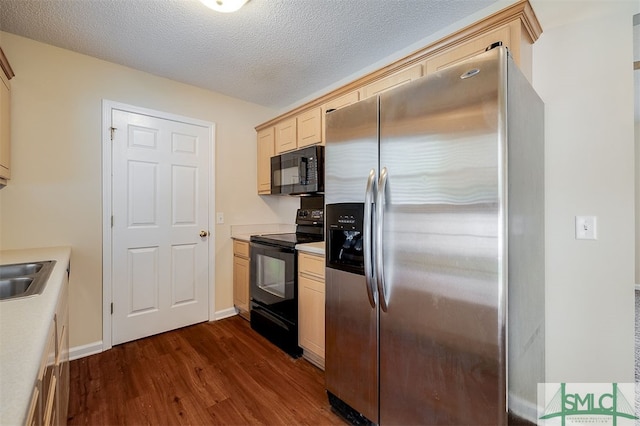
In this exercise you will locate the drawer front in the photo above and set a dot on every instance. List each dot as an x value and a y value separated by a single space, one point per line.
311 265
241 248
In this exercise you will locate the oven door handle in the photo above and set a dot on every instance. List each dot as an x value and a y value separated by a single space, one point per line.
367 232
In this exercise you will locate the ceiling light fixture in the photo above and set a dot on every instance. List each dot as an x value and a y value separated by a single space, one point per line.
225 6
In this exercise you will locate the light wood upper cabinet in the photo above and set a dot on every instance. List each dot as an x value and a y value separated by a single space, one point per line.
311 301
266 141
342 101
394 80
516 26
286 135
241 277
337 103
5 119
296 132
511 35
467 50
309 127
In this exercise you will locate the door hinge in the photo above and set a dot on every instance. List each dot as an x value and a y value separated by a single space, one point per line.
112 129
112 221
111 308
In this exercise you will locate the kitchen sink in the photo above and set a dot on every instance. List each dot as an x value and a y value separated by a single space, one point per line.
24 279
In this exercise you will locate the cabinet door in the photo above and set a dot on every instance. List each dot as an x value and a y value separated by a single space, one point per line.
62 353
265 152
337 103
5 129
241 284
309 127
241 248
312 265
286 136
466 50
44 408
394 80
311 315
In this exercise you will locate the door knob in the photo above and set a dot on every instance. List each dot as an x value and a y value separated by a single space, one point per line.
203 234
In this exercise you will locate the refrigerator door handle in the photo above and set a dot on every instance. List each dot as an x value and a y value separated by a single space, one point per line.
367 233
379 220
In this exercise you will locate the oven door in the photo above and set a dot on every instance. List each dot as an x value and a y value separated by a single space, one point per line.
273 279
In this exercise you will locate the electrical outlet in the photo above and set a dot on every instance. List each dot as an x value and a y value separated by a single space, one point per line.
219 218
586 228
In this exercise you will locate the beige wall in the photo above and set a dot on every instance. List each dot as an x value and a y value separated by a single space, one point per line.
583 71
54 197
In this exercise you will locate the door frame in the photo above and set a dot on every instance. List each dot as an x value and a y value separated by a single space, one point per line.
107 211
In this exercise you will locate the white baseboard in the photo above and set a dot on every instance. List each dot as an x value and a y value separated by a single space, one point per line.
78 352
225 313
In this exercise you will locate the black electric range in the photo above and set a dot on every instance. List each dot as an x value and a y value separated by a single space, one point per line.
274 280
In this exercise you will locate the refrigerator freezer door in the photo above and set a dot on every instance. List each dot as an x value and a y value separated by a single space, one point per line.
441 343
351 361
351 151
351 356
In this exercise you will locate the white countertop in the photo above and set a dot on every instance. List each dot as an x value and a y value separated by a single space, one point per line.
315 248
24 324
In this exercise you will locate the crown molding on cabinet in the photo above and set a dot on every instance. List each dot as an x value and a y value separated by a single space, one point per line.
518 11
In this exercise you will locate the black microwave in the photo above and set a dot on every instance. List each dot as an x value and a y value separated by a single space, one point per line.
298 172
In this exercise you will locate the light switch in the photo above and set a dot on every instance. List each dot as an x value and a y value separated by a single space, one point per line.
586 228
219 218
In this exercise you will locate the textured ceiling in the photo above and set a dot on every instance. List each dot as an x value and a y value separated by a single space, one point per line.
271 52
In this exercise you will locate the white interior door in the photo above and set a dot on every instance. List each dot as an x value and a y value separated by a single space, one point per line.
160 202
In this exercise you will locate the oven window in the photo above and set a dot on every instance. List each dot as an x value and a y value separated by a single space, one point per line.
271 275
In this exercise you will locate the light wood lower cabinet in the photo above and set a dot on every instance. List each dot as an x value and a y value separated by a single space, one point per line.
311 303
62 356
241 277
50 398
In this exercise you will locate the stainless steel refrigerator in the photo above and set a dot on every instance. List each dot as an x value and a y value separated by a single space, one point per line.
434 212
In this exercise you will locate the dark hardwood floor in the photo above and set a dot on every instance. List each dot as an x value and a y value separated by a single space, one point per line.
211 373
